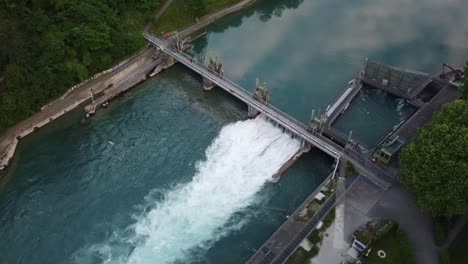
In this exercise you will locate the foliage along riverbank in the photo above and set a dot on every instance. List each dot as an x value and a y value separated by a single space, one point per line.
434 167
183 13
48 46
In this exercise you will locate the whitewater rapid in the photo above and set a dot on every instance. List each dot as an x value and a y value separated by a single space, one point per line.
240 160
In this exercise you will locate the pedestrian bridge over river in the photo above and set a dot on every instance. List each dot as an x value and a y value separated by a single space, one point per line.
308 134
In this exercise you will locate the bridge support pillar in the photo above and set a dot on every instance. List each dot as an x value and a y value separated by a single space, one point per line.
207 84
252 112
216 67
305 146
261 94
166 62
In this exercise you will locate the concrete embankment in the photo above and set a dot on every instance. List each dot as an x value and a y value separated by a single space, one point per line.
124 76
140 71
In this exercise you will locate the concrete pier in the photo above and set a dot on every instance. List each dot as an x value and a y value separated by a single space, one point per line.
342 102
252 112
305 147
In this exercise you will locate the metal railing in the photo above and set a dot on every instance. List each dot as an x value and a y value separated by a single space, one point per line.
312 223
273 113
301 207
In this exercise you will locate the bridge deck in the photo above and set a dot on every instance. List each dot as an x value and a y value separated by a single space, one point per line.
380 177
270 111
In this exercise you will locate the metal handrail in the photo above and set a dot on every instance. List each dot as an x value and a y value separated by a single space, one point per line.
265 107
245 95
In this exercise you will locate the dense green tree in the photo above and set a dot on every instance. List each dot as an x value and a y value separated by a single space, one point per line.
195 7
47 46
434 167
464 87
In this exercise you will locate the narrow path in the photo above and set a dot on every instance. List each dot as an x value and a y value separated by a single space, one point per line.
398 205
158 14
210 18
454 231
338 235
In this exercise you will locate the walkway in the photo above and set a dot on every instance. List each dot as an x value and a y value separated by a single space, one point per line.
398 205
284 242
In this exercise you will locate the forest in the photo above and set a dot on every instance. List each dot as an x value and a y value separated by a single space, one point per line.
47 46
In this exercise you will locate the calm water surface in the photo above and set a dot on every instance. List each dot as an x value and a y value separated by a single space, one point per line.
99 192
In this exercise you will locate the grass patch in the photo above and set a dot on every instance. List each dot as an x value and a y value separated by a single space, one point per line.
328 220
350 170
442 227
179 14
396 246
314 205
301 256
314 237
457 251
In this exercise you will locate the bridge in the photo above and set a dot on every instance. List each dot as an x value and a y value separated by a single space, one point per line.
308 134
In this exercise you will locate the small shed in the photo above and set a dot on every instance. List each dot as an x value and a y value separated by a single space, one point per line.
388 148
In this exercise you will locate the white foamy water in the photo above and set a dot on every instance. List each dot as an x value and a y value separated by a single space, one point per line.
243 157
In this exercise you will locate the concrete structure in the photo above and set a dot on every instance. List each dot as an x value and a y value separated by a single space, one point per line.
399 82
342 102
439 91
291 125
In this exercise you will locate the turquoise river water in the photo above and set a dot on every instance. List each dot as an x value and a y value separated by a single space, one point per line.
172 174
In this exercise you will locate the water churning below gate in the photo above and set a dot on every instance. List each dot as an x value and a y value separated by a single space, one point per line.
239 161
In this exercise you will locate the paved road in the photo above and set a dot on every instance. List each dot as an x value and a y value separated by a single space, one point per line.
365 201
398 205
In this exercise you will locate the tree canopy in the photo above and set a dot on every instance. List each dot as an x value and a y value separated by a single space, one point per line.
464 86
434 167
47 46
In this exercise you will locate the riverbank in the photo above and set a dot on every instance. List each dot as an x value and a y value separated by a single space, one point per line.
178 18
71 100
109 84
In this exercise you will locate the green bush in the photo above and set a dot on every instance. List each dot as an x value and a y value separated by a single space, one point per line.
395 244
434 166
444 257
350 170
314 237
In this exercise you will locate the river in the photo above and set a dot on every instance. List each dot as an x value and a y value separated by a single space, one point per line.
172 174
